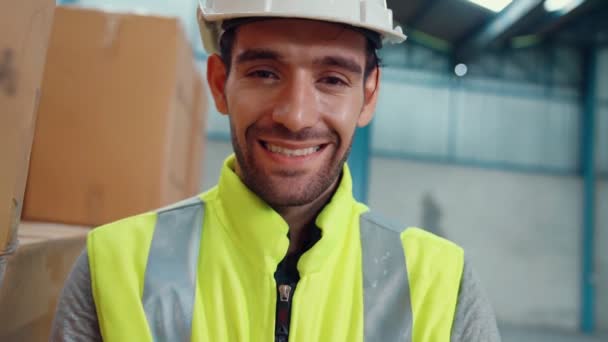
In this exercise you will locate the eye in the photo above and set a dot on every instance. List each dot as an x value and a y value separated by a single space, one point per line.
334 81
262 74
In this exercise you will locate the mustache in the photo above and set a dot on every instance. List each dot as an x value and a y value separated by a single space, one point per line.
282 132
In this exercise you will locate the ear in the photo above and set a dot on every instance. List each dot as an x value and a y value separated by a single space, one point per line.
216 78
370 91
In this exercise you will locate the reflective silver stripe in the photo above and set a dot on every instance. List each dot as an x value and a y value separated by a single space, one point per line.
170 276
387 305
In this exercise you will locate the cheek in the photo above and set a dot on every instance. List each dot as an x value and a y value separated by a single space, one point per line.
244 110
342 116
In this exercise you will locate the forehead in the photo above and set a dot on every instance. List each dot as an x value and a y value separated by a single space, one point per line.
300 37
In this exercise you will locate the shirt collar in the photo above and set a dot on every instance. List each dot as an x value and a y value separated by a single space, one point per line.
261 233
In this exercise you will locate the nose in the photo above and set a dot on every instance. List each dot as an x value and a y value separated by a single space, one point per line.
296 107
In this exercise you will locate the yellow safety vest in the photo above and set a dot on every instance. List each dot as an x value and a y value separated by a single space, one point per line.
203 270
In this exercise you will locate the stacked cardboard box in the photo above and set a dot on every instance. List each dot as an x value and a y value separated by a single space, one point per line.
25 28
34 279
119 131
121 119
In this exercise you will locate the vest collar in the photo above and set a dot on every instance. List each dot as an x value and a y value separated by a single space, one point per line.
261 233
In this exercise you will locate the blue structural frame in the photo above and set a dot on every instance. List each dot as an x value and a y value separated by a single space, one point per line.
474 163
587 319
358 162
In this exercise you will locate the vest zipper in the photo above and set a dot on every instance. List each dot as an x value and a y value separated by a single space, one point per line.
283 318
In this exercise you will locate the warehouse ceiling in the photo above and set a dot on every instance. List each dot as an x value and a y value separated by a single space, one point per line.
465 29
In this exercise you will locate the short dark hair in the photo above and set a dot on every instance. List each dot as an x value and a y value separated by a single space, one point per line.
372 60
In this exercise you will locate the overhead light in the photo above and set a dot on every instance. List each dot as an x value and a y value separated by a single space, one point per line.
461 69
561 5
492 5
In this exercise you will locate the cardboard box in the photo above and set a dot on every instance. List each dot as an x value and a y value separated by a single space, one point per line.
121 119
25 29
35 276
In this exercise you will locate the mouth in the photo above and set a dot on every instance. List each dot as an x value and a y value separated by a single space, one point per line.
292 152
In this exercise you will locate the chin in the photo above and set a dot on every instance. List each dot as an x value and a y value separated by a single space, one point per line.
292 193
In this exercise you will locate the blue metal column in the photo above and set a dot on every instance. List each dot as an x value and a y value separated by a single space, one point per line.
589 190
359 162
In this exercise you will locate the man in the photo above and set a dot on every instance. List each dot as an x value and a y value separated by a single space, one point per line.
279 249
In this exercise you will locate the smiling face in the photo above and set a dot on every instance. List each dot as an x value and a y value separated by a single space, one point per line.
295 93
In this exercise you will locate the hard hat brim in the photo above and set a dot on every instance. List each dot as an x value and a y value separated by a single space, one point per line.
394 35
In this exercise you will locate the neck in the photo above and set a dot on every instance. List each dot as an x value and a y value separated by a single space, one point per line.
301 219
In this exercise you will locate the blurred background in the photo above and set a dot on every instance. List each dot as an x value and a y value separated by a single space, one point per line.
492 131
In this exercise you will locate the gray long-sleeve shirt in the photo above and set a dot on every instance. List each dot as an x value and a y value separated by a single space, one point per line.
76 317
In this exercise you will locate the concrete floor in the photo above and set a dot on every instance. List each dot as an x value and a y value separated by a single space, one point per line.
515 334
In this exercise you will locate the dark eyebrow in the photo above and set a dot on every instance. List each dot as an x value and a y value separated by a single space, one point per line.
257 54
341 62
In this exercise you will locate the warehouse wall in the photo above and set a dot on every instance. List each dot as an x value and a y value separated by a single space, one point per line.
510 124
520 231
483 119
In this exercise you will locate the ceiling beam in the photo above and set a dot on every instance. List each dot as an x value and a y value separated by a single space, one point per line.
429 41
424 39
586 14
421 12
495 29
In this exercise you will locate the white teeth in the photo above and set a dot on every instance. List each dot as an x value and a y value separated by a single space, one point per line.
292 153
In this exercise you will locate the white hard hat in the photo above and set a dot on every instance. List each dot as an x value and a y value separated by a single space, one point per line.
372 15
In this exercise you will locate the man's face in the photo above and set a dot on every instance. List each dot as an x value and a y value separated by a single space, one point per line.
294 95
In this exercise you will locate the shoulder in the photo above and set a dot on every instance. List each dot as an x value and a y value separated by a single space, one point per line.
422 242
140 227
75 318
122 236
475 319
